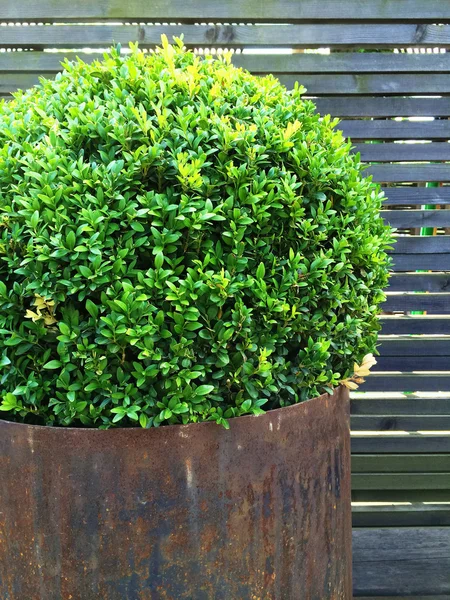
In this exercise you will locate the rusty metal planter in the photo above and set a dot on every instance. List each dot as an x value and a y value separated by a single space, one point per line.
194 512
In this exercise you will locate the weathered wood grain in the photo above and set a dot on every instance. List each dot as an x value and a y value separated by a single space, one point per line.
407 405
407 382
412 363
11 82
418 324
78 36
432 303
396 152
411 515
405 495
401 481
417 218
416 543
401 561
409 173
408 195
401 463
411 443
396 130
207 10
363 84
351 62
368 106
420 282
420 262
417 244
415 346
213 34
401 423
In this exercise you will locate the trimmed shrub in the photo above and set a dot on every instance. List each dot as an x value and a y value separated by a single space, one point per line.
180 241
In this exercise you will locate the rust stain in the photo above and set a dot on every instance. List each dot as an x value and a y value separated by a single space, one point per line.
259 512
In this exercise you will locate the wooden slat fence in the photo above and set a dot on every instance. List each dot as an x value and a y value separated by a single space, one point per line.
401 421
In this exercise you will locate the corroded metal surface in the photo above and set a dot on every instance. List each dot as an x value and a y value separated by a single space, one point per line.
259 512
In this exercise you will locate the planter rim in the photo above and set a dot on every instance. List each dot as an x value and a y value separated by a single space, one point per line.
134 430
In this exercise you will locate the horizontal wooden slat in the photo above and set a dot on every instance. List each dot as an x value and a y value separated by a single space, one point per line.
415 346
409 173
401 463
401 325
403 562
419 244
383 107
401 481
352 62
396 152
434 303
396 130
412 363
419 282
104 36
417 218
404 495
400 423
30 62
400 406
402 516
403 545
205 10
400 444
435 543
408 195
369 84
408 382
14 81
420 262
228 35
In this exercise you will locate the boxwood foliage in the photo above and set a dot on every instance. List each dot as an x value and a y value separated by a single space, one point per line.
181 241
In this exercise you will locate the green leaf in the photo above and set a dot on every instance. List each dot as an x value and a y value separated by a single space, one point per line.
34 219
260 271
118 417
9 402
159 319
246 406
203 390
137 226
53 364
71 240
64 328
4 361
92 308
85 271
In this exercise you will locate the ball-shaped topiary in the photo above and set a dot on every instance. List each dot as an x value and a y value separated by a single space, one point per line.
180 241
